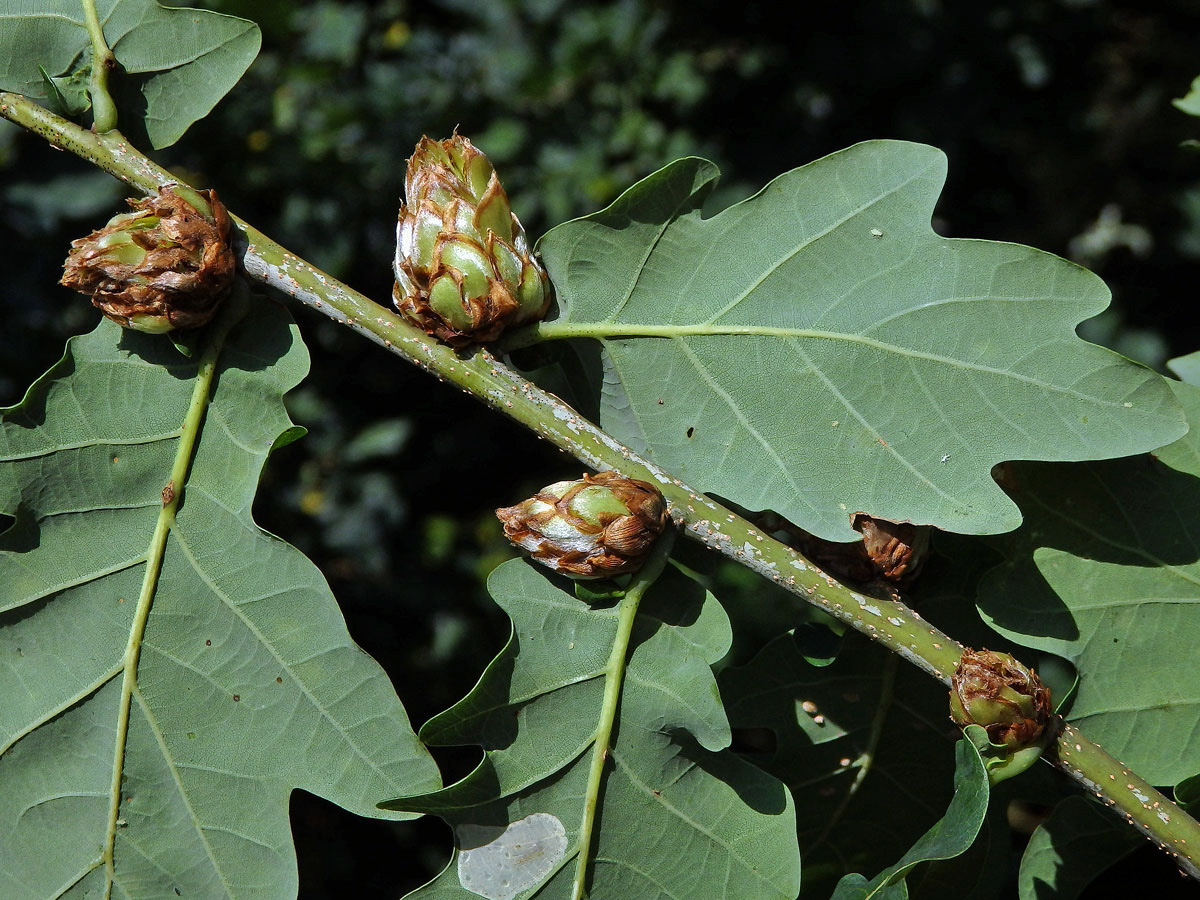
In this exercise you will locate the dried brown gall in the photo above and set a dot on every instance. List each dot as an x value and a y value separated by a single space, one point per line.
166 265
596 527
1007 699
891 553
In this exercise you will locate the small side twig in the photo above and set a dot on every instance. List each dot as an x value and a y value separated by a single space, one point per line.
104 111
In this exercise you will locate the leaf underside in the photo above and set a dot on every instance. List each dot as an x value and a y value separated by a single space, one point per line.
679 815
248 686
1077 842
183 61
950 836
1106 572
856 740
818 350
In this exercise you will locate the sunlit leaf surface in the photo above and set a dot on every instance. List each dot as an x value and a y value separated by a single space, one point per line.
248 686
679 816
182 60
818 350
1106 572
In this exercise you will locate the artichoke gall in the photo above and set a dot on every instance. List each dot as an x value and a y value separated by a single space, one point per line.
995 691
596 527
896 550
891 553
464 270
166 265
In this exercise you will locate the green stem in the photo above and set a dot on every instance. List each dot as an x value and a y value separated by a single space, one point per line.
172 494
614 675
889 622
104 111
1129 796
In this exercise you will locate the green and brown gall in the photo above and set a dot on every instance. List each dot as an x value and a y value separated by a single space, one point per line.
1004 697
464 270
596 527
166 265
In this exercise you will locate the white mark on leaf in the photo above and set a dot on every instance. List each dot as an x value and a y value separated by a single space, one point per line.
512 861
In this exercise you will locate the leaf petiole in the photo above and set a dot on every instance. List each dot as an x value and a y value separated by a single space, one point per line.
235 308
614 673
104 111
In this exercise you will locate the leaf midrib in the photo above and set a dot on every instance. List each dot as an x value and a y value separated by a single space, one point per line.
609 331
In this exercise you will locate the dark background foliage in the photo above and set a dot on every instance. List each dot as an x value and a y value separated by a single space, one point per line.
1055 114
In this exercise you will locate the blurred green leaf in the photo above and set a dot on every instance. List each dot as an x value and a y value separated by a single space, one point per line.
850 359
1104 572
675 807
73 195
1190 102
248 684
333 31
1187 368
382 438
184 60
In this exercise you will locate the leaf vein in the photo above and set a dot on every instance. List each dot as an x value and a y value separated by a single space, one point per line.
738 414
261 638
811 240
169 761
62 707
699 827
862 420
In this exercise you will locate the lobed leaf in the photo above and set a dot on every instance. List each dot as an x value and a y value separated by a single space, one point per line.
248 684
856 740
1106 572
952 835
678 816
1078 841
818 350
183 60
